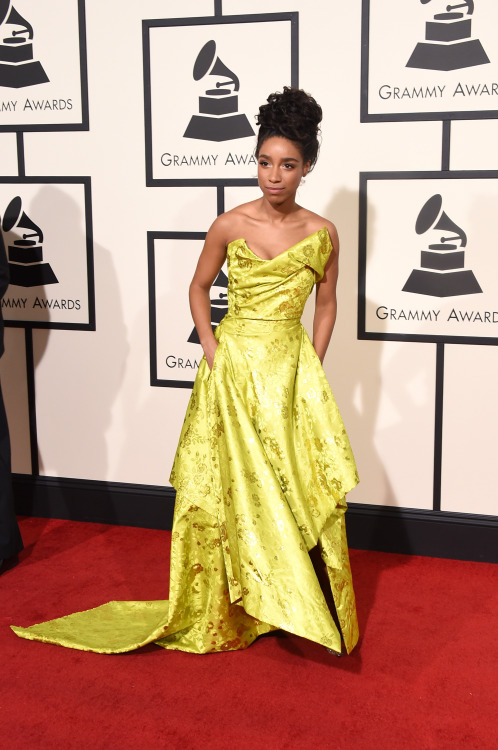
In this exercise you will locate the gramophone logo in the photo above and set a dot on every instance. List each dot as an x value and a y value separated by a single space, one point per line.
219 305
18 68
448 41
25 254
442 272
218 119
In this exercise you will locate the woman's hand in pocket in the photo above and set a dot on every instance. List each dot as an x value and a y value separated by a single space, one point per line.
210 351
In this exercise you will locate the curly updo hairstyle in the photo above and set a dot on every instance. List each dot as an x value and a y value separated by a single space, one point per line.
295 115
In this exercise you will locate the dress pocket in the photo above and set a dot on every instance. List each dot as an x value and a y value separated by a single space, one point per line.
216 357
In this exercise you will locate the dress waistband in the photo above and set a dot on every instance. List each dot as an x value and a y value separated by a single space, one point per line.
237 325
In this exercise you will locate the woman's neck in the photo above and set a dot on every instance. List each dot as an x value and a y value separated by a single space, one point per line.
278 213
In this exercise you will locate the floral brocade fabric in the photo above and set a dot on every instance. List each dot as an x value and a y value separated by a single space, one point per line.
261 473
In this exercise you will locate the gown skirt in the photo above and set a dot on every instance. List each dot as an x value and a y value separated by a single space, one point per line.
261 472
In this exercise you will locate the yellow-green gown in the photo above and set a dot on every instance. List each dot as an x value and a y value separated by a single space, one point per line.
261 473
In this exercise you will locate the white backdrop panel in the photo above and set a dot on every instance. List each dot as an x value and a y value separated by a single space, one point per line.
15 396
178 351
415 67
53 286
41 85
188 141
470 432
8 154
472 144
406 237
391 422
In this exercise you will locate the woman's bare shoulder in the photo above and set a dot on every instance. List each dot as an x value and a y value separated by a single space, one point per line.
246 212
314 222
233 224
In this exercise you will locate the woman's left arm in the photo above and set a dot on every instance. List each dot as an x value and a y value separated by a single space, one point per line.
326 298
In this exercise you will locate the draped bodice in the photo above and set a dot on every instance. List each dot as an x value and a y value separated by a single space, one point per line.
275 289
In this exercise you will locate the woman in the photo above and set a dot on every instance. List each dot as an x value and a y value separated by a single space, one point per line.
263 462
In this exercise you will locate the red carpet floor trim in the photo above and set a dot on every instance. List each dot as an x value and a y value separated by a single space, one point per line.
425 675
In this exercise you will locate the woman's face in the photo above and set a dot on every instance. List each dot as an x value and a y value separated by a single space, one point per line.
280 169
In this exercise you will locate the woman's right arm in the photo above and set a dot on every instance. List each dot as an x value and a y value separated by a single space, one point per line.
210 262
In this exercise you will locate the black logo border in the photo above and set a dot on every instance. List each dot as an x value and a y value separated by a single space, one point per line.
366 116
85 121
151 267
292 17
363 334
86 182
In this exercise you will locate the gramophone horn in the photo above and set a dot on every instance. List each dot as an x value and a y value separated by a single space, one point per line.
431 216
428 214
206 63
15 18
12 213
4 9
204 60
14 218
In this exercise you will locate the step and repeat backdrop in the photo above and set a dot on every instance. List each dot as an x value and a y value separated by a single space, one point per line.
124 131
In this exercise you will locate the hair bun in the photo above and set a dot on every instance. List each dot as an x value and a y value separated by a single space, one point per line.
293 108
292 114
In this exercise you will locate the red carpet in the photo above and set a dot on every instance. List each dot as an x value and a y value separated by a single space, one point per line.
423 677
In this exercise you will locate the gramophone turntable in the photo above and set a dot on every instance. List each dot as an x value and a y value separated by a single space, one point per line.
442 272
218 118
17 66
448 44
25 254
